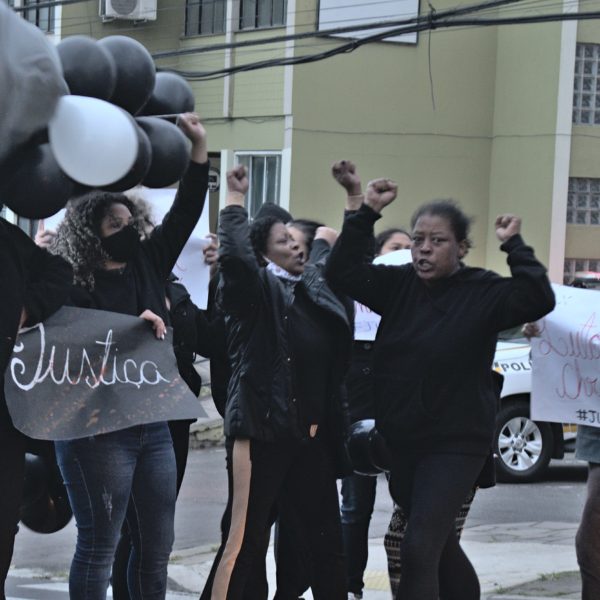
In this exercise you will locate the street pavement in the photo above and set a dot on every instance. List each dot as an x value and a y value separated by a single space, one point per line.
532 560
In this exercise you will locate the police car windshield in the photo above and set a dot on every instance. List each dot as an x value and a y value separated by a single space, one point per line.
514 334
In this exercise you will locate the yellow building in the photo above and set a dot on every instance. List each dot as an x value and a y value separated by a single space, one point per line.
500 118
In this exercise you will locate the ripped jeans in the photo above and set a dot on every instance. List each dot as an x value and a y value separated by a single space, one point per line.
124 476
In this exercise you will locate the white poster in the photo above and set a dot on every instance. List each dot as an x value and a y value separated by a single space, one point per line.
366 321
566 360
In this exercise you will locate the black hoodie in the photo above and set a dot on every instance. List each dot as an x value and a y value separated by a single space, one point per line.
435 344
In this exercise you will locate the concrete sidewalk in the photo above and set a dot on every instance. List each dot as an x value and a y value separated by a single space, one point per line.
531 561
520 561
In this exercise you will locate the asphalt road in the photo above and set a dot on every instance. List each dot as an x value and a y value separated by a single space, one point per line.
559 497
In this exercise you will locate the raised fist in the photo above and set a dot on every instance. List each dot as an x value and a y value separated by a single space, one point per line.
380 193
237 180
507 226
344 172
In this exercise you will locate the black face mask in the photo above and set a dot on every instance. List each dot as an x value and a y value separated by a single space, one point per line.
122 246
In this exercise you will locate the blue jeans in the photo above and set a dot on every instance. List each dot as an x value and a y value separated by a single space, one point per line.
358 500
124 476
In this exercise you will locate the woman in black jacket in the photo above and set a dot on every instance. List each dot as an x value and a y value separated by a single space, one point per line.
288 340
128 475
434 393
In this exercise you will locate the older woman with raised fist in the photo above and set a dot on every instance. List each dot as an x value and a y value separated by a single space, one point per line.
434 393
288 338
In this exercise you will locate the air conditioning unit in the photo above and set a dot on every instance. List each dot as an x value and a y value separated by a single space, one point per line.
131 10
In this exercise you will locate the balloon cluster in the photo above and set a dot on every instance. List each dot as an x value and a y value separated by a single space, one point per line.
104 134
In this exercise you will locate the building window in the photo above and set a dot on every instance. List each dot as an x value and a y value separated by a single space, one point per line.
203 17
257 14
586 94
42 17
264 174
579 265
583 201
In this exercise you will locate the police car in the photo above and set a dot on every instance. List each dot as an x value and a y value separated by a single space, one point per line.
523 447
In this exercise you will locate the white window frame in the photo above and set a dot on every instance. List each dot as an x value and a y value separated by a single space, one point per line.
262 154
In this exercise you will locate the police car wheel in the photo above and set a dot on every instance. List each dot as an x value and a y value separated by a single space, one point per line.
523 447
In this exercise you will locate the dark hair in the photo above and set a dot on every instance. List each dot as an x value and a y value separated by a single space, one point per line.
449 210
259 236
270 209
78 235
385 235
308 228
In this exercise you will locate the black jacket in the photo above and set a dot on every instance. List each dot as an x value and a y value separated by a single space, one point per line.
260 401
30 278
191 334
157 255
435 344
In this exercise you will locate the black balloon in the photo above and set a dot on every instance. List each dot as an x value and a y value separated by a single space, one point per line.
170 152
367 450
135 72
37 189
140 167
89 69
45 505
172 94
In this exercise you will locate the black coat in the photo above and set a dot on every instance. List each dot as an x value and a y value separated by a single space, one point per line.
435 344
30 278
260 399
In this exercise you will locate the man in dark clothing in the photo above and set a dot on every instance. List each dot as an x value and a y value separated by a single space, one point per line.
34 285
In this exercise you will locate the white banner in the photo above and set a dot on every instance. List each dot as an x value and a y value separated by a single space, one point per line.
366 321
566 360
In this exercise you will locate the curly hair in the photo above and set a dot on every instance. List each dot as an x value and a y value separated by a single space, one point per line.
78 235
259 236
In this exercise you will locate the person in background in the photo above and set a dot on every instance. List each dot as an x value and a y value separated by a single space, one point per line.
126 476
35 284
436 416
285 428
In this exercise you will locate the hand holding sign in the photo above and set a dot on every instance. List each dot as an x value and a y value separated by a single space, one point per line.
157 323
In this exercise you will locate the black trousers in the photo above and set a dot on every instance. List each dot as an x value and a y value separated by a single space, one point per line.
431 489
299 476
12 468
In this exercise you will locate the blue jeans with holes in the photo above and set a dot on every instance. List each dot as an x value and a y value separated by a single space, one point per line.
124 476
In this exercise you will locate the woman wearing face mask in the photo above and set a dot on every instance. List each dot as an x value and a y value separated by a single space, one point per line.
127 476
434 393
288 339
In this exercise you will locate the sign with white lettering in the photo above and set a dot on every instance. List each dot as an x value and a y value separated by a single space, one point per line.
85 372
566 360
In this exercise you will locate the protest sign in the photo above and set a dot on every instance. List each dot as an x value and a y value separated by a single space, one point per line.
84 372
366 321
566 360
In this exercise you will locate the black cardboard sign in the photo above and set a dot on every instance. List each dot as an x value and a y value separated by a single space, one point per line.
85 372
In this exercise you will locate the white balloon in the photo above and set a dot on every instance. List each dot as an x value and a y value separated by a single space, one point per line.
93 141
